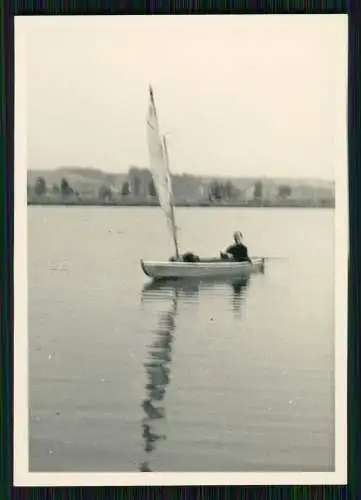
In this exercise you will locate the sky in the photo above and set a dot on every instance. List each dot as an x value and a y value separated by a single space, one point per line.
236 95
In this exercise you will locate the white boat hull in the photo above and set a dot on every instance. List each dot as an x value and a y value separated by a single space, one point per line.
203 269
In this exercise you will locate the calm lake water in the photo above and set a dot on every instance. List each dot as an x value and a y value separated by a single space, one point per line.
199 377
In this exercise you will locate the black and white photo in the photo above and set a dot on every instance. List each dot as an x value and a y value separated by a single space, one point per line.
180 249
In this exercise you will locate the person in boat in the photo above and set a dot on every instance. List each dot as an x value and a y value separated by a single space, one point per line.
238 251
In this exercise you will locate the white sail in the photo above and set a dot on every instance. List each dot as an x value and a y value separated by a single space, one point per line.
159 166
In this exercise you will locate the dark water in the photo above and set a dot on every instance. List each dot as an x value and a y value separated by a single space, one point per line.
202 376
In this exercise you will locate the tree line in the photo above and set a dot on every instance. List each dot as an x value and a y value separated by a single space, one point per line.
227 191
134 186
105 192
65 190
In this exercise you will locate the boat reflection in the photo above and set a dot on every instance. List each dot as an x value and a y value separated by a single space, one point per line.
159 357
155 290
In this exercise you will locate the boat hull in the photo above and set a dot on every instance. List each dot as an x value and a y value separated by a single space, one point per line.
158 270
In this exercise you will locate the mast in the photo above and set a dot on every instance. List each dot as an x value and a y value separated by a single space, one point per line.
172 215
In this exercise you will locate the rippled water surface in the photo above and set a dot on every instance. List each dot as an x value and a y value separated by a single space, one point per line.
188 376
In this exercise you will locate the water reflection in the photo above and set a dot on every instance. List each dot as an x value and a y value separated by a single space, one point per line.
158 372
239 291
159 357
191 289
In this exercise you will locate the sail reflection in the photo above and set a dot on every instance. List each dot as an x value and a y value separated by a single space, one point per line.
158 365
158 373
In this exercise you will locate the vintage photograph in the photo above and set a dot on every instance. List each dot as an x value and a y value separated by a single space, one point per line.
182 177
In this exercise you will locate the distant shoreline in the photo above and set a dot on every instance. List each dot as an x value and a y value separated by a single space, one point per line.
135 188
251 204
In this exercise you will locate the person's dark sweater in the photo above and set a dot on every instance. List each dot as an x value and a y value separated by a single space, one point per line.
239 252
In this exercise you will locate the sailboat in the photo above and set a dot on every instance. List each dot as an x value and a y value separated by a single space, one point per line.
177 267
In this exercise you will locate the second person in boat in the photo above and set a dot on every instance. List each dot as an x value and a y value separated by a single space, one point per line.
238 251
